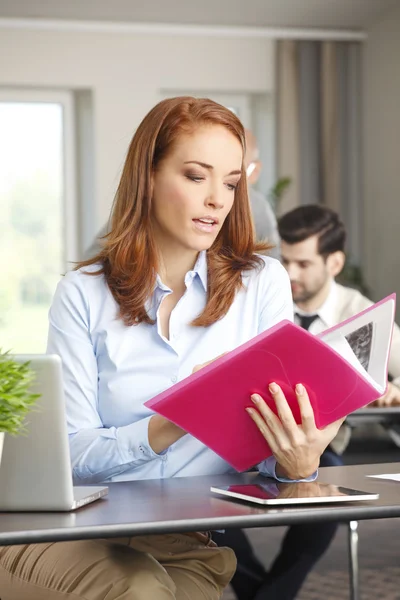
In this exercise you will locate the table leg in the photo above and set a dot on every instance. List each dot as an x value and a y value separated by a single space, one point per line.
353 560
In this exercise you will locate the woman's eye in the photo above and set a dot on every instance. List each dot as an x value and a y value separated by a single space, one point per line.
196 178
231 186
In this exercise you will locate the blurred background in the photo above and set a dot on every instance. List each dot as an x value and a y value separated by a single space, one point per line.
317 81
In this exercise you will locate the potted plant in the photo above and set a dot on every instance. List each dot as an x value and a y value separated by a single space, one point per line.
277 191
16 397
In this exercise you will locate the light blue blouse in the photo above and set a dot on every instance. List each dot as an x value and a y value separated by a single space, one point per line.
111 369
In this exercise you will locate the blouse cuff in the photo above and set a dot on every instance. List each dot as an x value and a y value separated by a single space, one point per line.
268 468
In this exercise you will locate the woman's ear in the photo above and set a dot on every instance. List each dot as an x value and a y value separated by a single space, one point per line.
335 263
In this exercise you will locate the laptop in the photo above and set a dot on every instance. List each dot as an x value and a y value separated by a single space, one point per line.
35 468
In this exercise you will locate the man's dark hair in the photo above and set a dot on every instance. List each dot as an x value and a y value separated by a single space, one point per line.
313 219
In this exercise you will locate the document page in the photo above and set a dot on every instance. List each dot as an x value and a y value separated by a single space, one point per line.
368 335
360 342
390 476
342 346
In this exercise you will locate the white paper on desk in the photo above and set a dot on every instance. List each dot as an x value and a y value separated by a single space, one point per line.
391 476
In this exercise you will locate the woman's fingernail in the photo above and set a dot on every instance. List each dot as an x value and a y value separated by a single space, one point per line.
249 411
299 389
273 388
255 398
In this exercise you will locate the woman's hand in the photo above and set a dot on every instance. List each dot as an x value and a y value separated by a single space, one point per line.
297 448
163 433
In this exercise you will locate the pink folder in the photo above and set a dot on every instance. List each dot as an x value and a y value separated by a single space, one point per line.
210 404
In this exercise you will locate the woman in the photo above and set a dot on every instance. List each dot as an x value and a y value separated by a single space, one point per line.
178 282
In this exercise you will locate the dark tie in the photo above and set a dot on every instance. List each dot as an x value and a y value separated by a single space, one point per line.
306 320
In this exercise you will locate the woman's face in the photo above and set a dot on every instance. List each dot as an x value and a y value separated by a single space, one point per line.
194 188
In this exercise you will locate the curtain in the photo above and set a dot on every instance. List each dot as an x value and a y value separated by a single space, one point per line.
319 129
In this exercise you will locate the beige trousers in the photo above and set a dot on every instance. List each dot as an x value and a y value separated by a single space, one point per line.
156 567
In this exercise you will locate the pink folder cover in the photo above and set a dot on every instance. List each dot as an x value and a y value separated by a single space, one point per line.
210 404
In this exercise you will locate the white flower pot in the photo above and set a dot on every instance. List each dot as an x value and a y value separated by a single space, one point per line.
1 443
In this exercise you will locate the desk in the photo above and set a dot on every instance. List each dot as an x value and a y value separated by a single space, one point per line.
185 504
374 415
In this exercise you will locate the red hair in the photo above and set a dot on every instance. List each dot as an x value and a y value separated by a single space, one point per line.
129 257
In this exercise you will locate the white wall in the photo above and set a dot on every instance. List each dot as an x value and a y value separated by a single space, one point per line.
381 150
125 73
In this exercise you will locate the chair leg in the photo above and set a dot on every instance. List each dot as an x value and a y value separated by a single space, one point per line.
353 560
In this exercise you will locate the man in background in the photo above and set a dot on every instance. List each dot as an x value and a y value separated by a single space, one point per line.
263 215
313 253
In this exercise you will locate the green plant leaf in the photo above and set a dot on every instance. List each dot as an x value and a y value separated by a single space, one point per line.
16 397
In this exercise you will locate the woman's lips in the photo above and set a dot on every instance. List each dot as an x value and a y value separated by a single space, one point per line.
205 227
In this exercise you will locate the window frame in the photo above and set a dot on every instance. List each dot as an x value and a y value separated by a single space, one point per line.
69 172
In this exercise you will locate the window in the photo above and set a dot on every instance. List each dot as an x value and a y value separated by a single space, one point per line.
37 212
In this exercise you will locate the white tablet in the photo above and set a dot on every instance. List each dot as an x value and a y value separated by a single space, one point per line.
276 493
